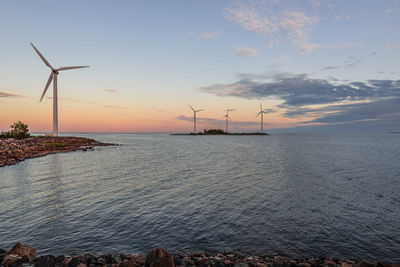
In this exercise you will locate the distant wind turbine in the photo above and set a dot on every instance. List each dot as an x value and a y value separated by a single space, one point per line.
262 117
226 116
53 78
194 116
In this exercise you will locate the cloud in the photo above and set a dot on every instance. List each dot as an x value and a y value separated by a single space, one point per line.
251 19
209 35
271 21
343 45
72 100
352 61
115 107
373 53
297 90
298 25
111 91
330 68
246 52
392 45
189 33
385 108
367 104
11 95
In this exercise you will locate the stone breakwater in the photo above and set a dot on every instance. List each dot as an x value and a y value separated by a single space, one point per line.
23 255
15 150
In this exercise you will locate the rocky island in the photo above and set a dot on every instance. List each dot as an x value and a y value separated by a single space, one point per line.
220 132
23 255
13 150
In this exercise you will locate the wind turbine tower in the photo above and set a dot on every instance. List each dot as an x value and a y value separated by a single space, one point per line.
194 117
226 116
53 78
262 117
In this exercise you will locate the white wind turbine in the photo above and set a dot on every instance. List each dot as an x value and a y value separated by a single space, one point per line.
226 116
53 77
262 112
194 116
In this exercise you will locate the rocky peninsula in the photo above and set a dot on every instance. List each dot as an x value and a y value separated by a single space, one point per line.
23 255
16 150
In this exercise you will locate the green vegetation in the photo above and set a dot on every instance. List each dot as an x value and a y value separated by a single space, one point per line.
214 131
19 130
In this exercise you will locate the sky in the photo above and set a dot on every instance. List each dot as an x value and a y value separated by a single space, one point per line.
314 65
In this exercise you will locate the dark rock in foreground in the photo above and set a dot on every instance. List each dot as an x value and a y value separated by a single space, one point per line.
15 150
22 255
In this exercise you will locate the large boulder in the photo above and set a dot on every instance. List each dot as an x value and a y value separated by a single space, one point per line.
14 260
23 250
159 258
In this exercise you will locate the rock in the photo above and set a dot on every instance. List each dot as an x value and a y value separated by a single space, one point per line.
44 261
280 261
159 257
346 264
23 250
10 259
386 264
364 263
330 263
73 262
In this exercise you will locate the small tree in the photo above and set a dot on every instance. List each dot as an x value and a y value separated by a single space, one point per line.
19 130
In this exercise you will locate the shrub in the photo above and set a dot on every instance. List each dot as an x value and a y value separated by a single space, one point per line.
19 130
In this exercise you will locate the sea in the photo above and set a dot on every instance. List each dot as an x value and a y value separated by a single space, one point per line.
297 195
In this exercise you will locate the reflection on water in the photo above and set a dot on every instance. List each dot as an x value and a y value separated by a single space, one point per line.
330 195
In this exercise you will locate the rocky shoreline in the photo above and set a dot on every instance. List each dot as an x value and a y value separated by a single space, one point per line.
13 150
23 255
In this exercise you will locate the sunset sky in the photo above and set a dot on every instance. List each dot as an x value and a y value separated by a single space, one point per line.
314 65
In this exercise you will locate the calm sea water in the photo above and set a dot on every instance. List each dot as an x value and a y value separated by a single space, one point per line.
296 194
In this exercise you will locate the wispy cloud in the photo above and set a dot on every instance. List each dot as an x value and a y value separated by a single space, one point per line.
392 45
111 91
352 61
209 35
189 33
115 107
262 18
6 94
343 45
298 26
73 100
246 52
330 68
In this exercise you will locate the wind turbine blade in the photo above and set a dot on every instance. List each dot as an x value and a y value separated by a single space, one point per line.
47 85
258 113
199 110
192 108
71 68
261 106
42 57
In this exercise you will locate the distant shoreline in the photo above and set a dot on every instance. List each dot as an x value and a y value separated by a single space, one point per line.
13 150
